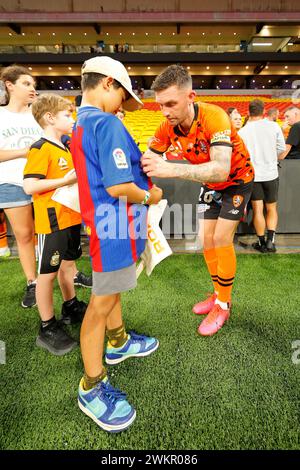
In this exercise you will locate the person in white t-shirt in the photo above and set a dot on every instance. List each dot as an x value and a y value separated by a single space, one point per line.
18 130
265 142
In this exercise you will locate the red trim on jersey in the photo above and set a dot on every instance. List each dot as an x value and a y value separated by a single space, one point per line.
86 200
132 233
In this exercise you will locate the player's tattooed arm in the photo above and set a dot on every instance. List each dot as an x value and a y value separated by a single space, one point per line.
215 171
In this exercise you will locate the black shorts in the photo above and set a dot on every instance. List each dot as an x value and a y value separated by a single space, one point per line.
266 191
228 203
55 247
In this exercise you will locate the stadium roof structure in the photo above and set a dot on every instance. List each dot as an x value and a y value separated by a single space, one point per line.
228 48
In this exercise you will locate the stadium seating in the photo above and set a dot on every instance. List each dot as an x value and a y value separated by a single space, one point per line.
142 124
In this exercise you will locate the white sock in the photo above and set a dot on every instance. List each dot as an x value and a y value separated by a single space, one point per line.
223 305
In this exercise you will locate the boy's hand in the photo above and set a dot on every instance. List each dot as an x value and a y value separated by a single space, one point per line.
155 195
70 178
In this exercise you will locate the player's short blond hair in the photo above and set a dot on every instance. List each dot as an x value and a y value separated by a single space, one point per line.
48 103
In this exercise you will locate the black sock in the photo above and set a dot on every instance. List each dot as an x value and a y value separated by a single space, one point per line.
69 303
271 235
48 323
262 240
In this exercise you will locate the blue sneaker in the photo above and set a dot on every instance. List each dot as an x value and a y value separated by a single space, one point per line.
107 406
135 346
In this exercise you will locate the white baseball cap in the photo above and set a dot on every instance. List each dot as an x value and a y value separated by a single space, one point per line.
115 69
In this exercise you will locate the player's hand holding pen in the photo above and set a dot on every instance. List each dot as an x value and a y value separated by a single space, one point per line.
155 165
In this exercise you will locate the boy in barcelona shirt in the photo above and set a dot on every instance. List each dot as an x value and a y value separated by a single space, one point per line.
113 192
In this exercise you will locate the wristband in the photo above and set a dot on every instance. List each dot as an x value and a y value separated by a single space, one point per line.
146 198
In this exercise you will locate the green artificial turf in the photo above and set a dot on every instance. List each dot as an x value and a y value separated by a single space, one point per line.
236 390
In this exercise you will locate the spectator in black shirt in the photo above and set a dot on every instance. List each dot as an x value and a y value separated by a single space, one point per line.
292 148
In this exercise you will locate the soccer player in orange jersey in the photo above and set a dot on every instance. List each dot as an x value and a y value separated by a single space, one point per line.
221 162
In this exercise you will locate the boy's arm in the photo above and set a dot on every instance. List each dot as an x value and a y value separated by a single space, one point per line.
134 194
36 185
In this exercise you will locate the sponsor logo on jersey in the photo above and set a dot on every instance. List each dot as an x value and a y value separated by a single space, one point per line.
237 200
203 146
120 159
55 259
62 163
222 136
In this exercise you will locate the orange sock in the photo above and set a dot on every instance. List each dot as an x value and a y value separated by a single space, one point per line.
211 260
226 271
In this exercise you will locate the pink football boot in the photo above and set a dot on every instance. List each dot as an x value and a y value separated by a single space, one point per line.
214 321
202 308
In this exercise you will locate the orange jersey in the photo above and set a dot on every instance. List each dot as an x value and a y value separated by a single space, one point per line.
211 126
50 161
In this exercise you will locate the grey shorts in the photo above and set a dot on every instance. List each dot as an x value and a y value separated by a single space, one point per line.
114 282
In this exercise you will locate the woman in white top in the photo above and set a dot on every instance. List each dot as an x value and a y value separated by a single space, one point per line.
18 131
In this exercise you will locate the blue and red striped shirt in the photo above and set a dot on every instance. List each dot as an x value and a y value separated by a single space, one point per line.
105 155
